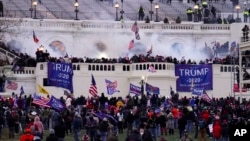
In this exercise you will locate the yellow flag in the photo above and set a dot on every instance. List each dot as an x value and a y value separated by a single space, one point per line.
42 90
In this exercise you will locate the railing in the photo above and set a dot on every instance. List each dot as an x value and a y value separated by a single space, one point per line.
49 23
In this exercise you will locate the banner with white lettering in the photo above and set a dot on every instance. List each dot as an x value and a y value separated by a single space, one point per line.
60 75
193 76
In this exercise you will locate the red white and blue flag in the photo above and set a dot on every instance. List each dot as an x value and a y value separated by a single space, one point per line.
135 29
111 87
40 101
93 89
205 97
152 89
36 40
11 85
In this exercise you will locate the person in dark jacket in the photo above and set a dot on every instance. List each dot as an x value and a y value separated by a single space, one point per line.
225 131
60 131
181 125
103 128
52 136
134 136
1 123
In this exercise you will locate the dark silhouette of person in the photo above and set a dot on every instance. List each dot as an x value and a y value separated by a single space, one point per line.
1 9
245 31
141 13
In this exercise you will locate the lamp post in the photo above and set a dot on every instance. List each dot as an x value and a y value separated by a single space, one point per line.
116 11
34 5
31 8
76 4
142 85
122 11
151 11
156 12
237 7
196 7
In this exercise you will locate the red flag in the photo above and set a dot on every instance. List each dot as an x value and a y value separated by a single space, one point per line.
36 40
131 44
93 89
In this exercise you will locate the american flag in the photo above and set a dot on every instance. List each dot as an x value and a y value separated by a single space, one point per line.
135 29
41 101
93 89
205 97
11 85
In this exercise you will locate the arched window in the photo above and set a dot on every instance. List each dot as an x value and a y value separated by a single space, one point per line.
105 67
221 68
225 69
93 67
160 67
89 67
124 68
164 67
74 67
113 68
128 68
97 67
156 66
101 67
78 67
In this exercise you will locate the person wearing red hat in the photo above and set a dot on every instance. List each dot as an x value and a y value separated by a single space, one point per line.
27 136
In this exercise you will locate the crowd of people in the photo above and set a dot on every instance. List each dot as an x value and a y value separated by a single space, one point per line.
147 117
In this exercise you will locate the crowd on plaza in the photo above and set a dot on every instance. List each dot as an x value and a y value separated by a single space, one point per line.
147 118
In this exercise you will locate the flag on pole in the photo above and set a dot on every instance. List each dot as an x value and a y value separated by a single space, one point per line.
205 97
21 91
152 89
36 40
40 101
134 89
150 51
135 29
56 104
197 91
42 90
131 44
11 85
93 89
111 87
151 69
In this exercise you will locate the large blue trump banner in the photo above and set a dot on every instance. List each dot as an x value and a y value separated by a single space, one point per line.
194 76
60 75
